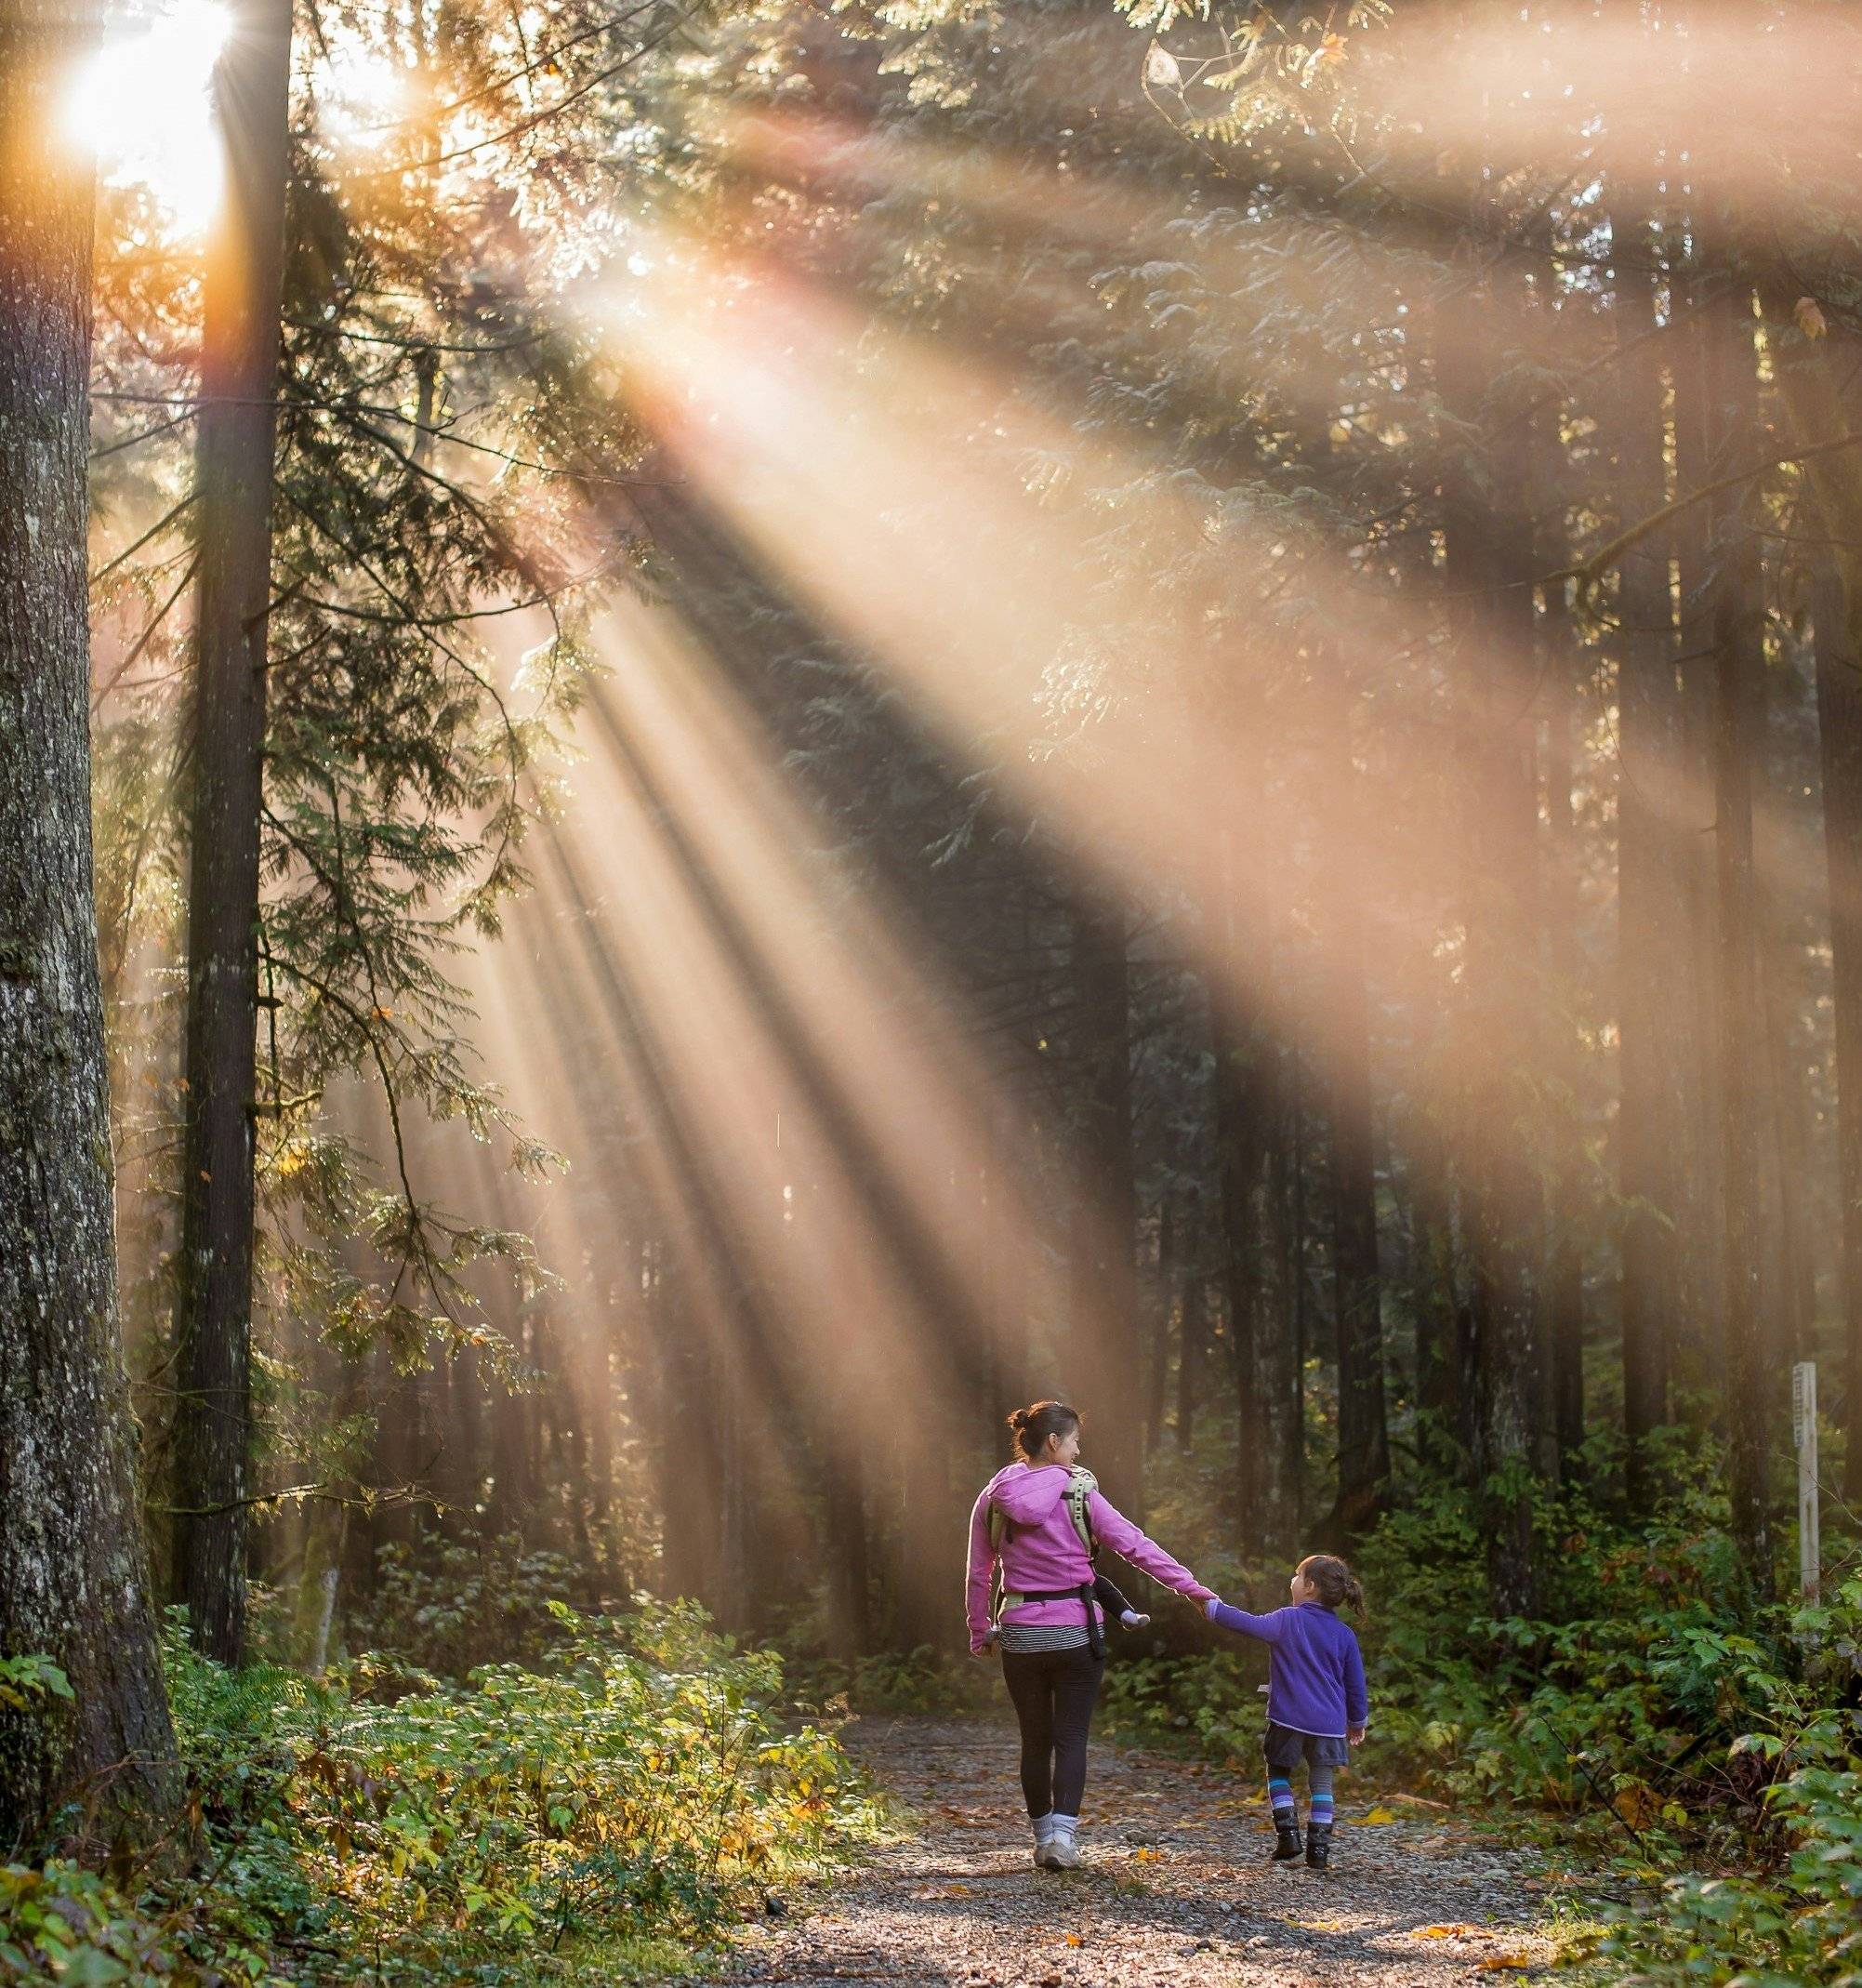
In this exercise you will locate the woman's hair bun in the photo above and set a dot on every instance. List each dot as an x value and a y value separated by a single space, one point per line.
1032 1426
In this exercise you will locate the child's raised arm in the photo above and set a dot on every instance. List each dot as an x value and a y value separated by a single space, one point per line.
1265 1627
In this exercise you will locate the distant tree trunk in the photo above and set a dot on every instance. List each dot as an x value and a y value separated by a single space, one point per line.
1280 1314
1648 745
1814 382
1163 1307
1490 561
326 1531
241 305
1436 1295
1839 724
1696 1351
1192 1355
1565 1269
74 1579
1364 1439
1738 656
1104 1286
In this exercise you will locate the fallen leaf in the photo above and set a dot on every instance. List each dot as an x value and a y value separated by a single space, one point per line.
1447 1932
1810 319
1380 1815
1504 1963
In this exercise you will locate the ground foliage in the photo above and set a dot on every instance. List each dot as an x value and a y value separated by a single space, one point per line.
621 1801
1688 1764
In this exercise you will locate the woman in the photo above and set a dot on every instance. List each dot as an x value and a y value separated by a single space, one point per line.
1051 1627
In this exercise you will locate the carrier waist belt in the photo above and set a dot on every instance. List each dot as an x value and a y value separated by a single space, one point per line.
1082 1594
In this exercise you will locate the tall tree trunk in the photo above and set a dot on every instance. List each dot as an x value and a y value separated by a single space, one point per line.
1815 383
243 303
1279 1316
1839 724
1163 1308
1104 1292
1364 1438
73 1577
1738 656
1490 555
1193 1343
1648 722
1564 1268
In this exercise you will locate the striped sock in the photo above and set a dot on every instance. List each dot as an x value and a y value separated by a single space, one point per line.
1322 1795
1322 1810
1280 1793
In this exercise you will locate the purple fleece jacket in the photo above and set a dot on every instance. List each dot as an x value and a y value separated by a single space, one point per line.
1315 1669
1043 1550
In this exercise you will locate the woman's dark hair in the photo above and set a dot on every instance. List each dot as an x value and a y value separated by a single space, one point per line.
1031 1427
1335 1581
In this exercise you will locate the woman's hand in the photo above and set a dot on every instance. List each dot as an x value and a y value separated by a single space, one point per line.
1355 1734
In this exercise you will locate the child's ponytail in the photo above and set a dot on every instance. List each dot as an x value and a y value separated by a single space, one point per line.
1336 1585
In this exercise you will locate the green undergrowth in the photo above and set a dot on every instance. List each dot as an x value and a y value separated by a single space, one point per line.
1685 1763
605 1813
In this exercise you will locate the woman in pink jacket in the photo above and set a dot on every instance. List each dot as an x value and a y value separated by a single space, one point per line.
1050 1629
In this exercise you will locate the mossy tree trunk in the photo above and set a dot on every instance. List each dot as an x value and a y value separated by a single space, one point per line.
73 1582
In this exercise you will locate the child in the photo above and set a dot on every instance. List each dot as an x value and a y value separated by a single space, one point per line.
1316 1706
1116 1605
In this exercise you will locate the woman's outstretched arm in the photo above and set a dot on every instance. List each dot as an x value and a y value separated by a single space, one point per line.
981 1567
1110 1525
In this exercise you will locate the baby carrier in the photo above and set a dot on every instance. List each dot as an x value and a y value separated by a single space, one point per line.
1081 1484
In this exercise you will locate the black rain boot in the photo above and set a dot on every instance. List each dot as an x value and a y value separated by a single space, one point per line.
1288 1842
1318 1845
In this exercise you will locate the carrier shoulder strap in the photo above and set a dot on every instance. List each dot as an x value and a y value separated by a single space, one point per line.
1081 1484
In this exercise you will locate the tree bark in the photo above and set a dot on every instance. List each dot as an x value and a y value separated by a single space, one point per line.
1739 646
1103 1274
1364 1437
243 302
1839 724
73 1576
1809 377
1648 721
1490 562
1193 1341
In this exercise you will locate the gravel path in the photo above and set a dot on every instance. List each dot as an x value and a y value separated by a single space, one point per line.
1178 1890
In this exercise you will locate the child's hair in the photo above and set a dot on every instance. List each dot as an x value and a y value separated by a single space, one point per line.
1032 1426
1335 1581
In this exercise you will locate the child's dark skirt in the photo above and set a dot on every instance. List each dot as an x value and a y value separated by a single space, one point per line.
1286 1748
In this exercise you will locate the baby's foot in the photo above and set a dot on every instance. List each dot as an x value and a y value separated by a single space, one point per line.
1132 1620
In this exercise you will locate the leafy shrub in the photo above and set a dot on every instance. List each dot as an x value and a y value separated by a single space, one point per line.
481 1600
639 1787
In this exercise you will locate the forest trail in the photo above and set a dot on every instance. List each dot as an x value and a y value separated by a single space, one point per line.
1178 1890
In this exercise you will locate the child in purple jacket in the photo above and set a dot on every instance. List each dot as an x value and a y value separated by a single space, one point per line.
1316 1706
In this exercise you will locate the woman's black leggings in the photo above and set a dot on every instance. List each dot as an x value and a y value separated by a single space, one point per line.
1053 1691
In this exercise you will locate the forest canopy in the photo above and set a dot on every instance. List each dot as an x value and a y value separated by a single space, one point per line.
737 731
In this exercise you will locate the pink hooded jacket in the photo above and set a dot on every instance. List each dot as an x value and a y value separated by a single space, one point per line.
1043 1550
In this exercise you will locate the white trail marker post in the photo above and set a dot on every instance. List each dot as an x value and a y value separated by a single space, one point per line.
1809 1517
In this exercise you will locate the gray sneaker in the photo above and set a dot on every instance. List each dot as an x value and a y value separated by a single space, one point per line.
1063 1854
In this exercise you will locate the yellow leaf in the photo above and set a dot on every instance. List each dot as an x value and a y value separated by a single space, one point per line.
1075 1940
1810 320
1504 1963
1380 1815
1443 1932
